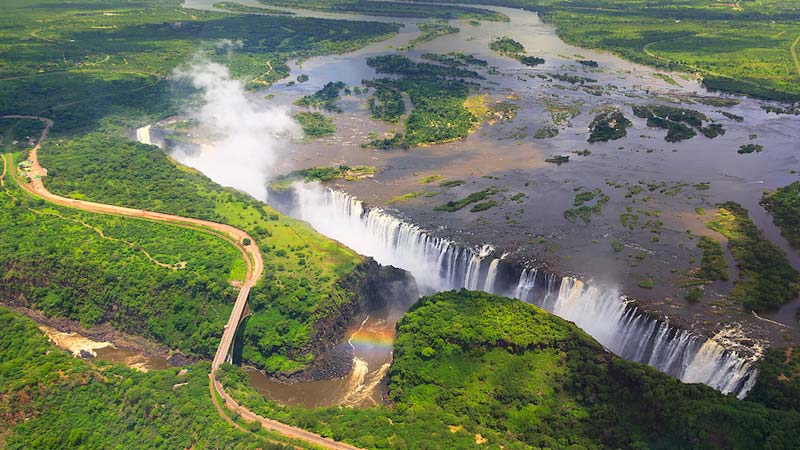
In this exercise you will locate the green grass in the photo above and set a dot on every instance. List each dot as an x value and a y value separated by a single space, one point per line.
405 197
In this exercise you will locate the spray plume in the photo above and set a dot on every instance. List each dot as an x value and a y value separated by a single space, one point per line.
246 136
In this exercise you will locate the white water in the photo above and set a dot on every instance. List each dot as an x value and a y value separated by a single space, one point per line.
143 135
439 264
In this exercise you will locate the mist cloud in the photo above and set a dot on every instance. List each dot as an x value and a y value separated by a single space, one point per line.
246 137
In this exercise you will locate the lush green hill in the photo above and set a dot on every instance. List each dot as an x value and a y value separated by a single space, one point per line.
469 364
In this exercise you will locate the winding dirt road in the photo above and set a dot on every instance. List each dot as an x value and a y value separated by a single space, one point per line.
237 237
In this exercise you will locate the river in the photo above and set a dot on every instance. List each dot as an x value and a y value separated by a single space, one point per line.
493 156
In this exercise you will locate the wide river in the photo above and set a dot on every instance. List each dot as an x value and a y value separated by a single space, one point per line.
507 155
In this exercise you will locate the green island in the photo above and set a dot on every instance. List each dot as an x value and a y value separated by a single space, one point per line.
680 123
474 369
475 197
322 174
437 93
325 98
745 149
610 125
513 49
766 278
746 47
784 206
392 9
315 124
430 31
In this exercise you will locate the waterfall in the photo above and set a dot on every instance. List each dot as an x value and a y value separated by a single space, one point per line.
439 264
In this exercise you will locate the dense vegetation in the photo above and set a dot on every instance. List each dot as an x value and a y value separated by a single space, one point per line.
164 282
315 124
386 103
49 400
474 370
513 49
301 267
766 278
437 94
713 265
86 63
325 98
778 379
610 125
784 205
677 121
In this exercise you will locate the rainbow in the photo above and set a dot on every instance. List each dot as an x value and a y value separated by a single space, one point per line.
383 339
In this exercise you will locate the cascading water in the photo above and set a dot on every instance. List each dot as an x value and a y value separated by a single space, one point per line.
439 264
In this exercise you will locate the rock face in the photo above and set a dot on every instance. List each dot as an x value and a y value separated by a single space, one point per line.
370 287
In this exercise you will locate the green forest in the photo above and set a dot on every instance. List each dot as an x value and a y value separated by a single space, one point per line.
437 94
470 366
52 400
91 64
302 268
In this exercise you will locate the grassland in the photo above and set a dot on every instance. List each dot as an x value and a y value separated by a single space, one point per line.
471 367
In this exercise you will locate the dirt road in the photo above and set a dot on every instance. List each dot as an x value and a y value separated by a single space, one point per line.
237 237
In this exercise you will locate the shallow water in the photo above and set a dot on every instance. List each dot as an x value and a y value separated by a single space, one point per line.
371 346
106 351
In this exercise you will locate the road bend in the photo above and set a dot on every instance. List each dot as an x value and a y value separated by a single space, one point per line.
237 237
